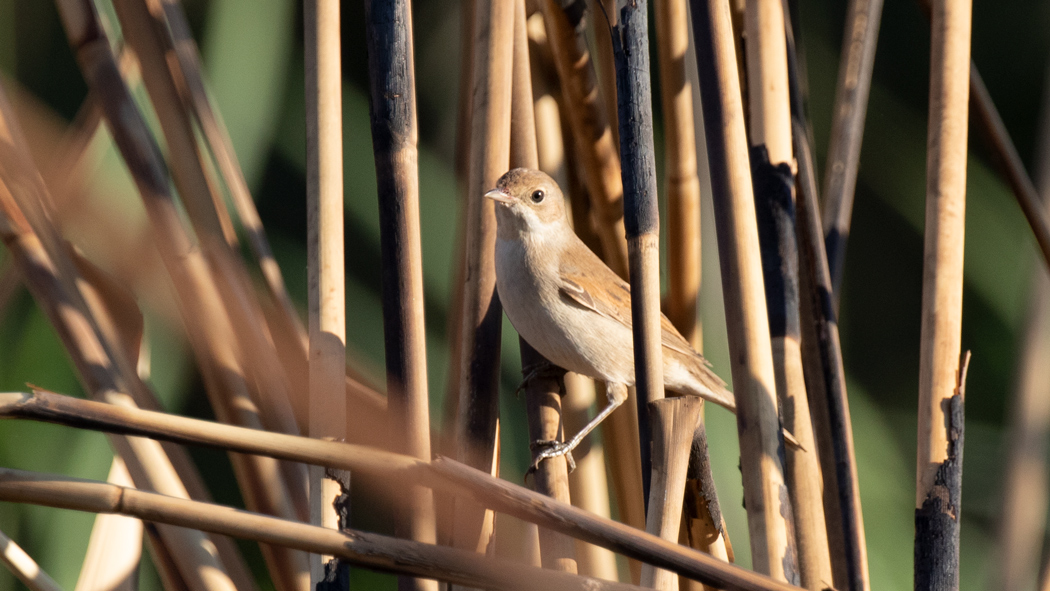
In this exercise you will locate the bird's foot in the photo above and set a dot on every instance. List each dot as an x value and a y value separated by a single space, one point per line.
550 449
538 370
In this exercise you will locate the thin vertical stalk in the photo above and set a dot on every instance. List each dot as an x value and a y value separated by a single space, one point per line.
592 134
682 181
771 158
394 138
674 421
327 284
641 212
939 455
542 392
758 423
111 562
822 362
847 130
478 428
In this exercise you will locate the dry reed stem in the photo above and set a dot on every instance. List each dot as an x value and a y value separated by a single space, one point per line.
826 384
606 64
703 527
23 567
178 38
482 317
114 550
674 421
772 164
937 507
589 482
1022 524
392 469
543 392
327 283
592 134
758 422
188 163
682 181
52 279
994 131
847 130
356 547
395 138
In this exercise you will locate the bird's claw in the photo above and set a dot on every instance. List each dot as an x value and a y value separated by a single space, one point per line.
550 449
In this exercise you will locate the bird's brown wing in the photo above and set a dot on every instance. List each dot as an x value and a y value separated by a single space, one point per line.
587 282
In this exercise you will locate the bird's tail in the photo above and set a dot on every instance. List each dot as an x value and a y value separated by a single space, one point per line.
709 386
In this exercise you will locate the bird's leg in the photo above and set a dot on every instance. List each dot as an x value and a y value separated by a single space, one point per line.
617 395
540 369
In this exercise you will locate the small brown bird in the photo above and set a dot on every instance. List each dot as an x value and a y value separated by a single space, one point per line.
572 308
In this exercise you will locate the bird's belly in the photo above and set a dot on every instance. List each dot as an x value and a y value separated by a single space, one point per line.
571 337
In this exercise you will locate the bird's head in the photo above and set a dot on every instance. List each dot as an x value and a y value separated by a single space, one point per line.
528 202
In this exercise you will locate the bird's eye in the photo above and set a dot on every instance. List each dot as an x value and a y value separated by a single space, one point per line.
537 196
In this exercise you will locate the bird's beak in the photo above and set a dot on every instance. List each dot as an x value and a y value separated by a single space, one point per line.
500 196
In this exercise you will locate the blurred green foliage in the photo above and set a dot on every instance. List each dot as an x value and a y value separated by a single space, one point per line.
253 55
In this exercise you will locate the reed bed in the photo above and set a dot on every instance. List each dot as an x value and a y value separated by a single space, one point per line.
290 350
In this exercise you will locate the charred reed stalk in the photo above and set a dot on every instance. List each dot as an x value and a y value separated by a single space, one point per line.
641 213
769 512
939 450
394 141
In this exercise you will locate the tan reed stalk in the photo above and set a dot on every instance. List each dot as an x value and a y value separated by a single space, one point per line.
683 184
603 50
589 482
478 424
115 546
356 547
45 264
188 163
393 470
174 32
847 129
769 522
772 161
592 134
1022 524
23 567
674 421
822 360
327 284
703 527
939 455
394 138
542 392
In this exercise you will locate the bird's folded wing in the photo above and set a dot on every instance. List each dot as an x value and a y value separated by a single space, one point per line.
605 293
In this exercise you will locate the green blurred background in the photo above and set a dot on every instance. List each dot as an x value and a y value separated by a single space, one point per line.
253 56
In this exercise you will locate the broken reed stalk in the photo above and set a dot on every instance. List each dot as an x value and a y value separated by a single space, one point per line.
1025 487
359 548
52 279
939 455
23 567
592 134
114 549
772 157
758 422
394 140
543 390
674 421
703 526
630 39
477 430
391 469
325 266
847 130
682 181
822 361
